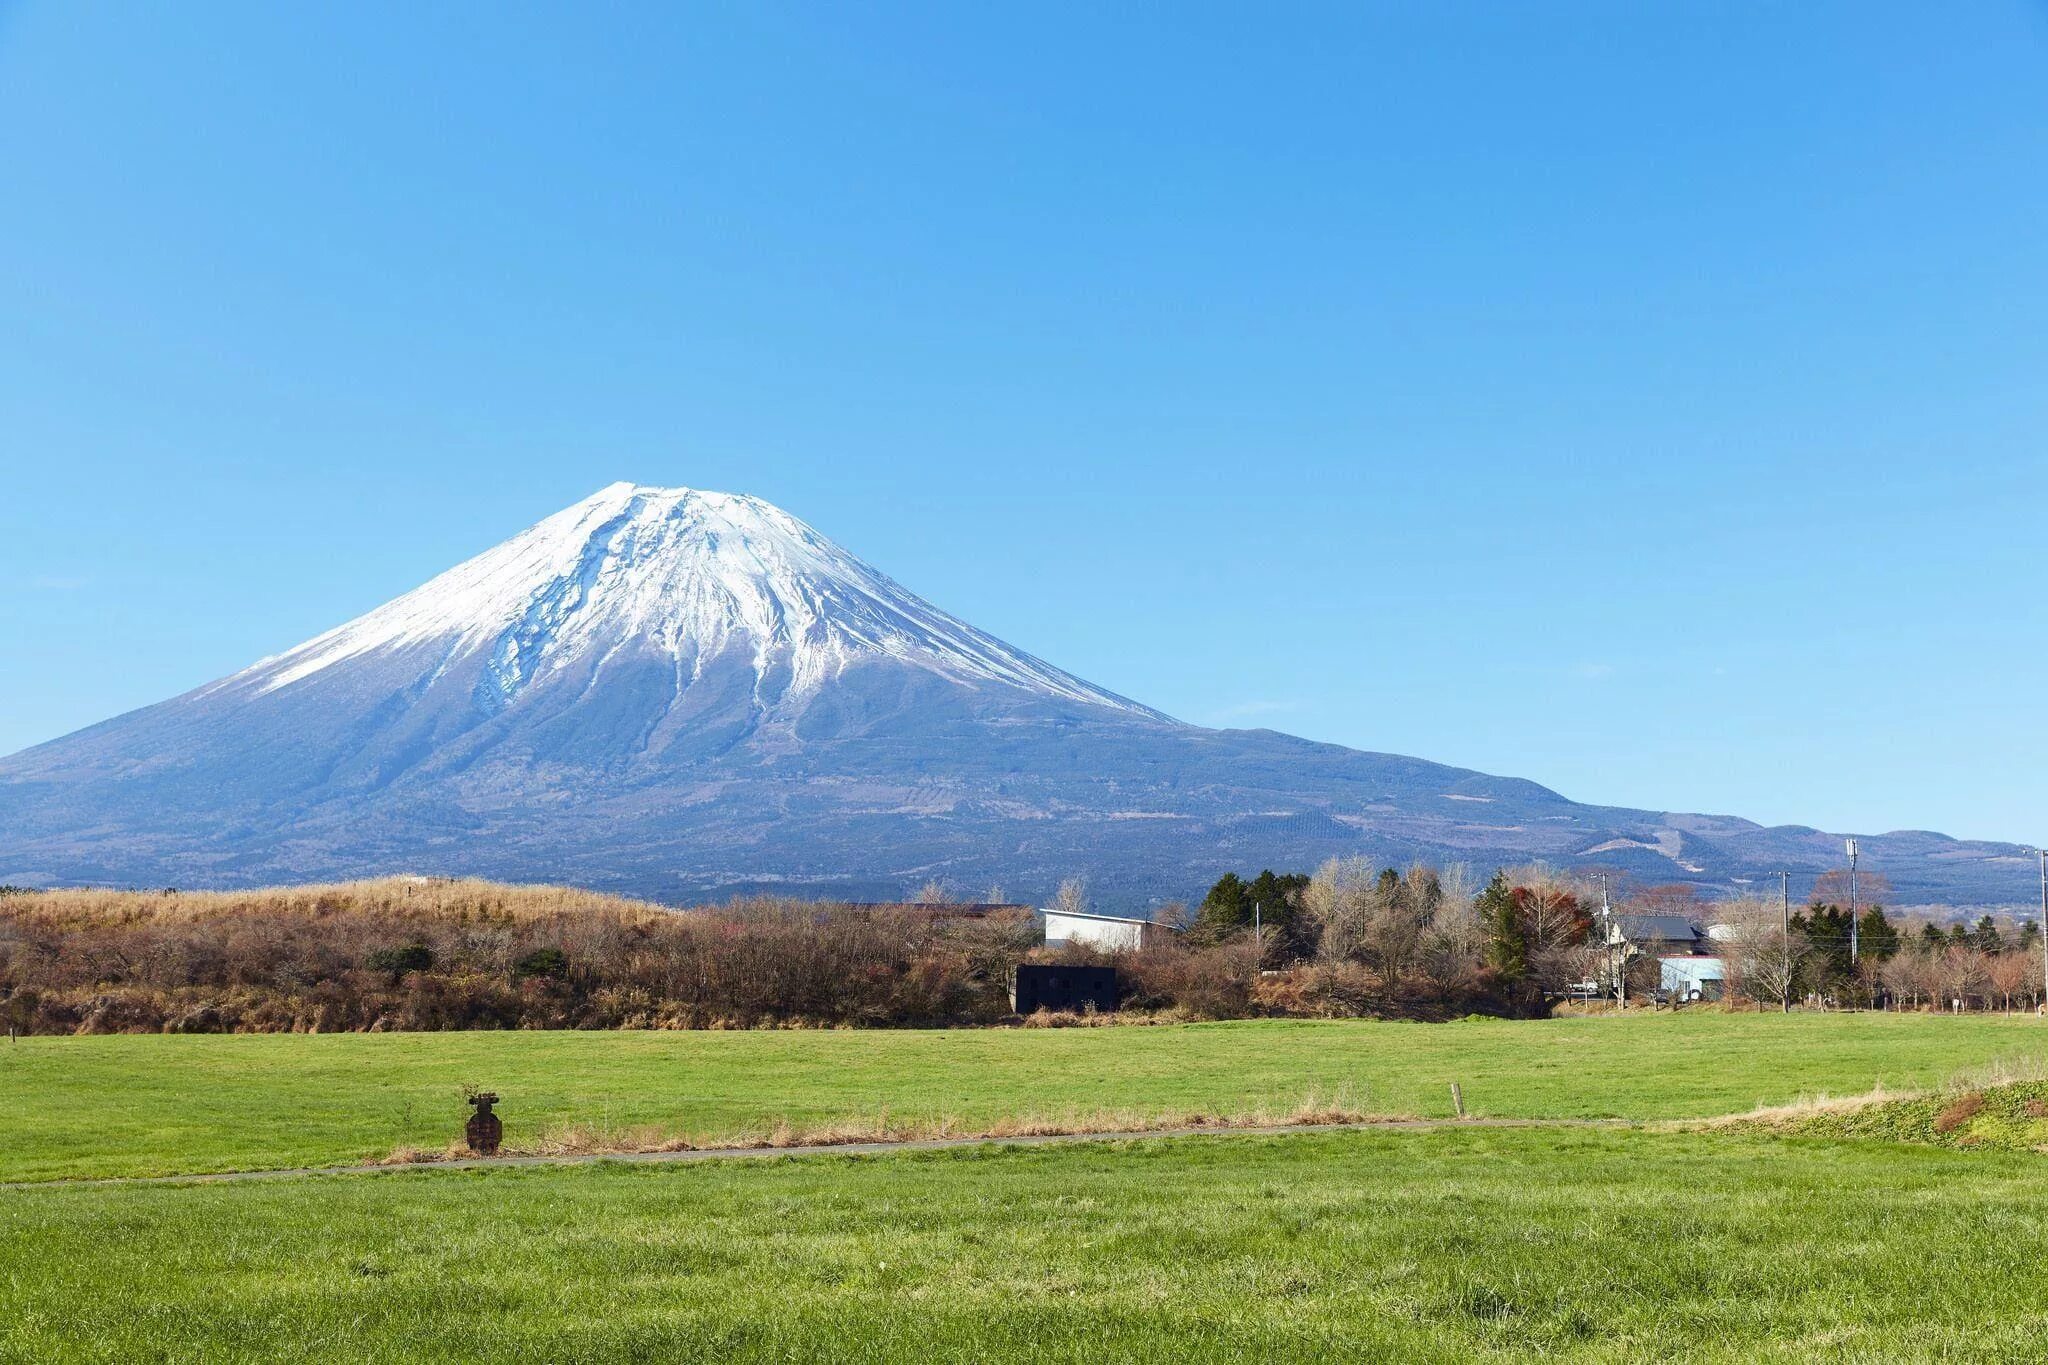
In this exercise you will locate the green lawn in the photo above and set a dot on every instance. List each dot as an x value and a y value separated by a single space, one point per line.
172 1104
1448 1245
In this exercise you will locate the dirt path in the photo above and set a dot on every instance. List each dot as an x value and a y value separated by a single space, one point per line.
819 1149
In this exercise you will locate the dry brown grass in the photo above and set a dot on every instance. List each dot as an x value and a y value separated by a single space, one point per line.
424 954
461 899
2003 1071
572 1140
1805 1107
1959 1112
1125 1018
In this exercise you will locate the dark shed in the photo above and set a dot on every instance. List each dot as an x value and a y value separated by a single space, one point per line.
1053 986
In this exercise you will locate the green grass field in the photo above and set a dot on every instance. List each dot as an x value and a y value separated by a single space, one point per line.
1448 1245
112 1106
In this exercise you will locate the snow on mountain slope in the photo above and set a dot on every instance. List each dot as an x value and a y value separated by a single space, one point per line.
690 576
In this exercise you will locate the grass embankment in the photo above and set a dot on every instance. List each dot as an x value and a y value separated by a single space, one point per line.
1982 1113
1452 1245
114 1106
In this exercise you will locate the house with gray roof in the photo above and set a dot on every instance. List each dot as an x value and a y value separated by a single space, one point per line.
1656 935
1688 969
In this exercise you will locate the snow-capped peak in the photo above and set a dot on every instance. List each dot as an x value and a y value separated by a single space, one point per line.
687 573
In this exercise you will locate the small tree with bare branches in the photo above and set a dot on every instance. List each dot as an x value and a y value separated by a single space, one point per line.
1071 898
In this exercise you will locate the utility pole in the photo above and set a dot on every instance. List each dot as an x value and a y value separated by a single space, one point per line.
1614 978
1852 905
1785 906
2044 919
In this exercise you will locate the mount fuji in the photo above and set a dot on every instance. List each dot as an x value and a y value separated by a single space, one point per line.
685 694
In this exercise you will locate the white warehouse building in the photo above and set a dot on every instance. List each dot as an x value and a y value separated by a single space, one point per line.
1112 933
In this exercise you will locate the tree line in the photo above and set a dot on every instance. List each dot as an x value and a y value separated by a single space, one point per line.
1412 932
1534 933
1351 938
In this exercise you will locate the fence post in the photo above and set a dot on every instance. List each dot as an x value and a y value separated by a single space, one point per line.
1457 1099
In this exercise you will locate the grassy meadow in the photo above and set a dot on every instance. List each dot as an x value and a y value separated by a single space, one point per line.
141 1105
1469 1244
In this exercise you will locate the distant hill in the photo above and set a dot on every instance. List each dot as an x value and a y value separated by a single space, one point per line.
679 694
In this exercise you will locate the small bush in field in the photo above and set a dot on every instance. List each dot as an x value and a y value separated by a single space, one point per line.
545 962
413 957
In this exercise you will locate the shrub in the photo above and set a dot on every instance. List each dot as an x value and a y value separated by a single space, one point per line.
412 954
549 962
415 954
414 957
1208 983
1339 990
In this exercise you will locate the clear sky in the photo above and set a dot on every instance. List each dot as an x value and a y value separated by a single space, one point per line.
1644 399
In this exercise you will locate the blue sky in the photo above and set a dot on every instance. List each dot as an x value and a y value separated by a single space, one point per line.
1647 400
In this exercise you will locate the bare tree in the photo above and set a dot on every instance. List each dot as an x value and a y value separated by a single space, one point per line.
1642 974
1338 901
1071 898
1762 958
1383 919
1912 975
933 892
1457 919
1832 888
1454 949
1405 912
2012 974
1174 915
1962 975
1672 898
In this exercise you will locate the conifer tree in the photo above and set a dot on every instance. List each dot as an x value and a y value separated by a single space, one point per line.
1507 938
1224 910
1877 937
1989 941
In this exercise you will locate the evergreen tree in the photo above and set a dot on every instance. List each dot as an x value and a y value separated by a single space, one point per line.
1224 910
1877 936
1826 930
1958 936
1270 900
1276 897
2030 934
1507 938
1930 937
1988 940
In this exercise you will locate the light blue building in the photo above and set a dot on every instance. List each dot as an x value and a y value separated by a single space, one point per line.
1693 978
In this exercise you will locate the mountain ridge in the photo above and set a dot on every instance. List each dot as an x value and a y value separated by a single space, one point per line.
681 694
